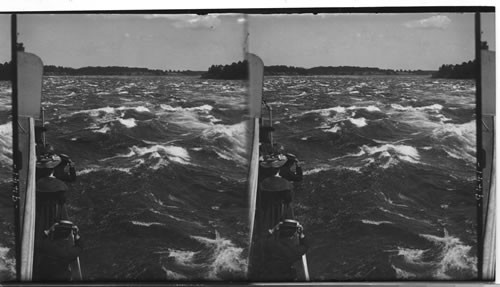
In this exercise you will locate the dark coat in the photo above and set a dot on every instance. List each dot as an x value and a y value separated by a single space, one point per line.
277 257
55 258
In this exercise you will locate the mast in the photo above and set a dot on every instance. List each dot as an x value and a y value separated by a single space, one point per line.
15 152
27 90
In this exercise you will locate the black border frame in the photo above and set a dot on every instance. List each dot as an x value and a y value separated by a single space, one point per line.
267 11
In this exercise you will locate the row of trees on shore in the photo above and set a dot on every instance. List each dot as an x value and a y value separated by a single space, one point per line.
466 70
239 70
51 70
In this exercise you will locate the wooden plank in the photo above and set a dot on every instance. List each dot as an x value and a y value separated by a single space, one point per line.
488 100
253 178
28 204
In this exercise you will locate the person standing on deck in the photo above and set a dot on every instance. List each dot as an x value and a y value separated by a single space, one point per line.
291 170
44 153
50 194
60 247
280 252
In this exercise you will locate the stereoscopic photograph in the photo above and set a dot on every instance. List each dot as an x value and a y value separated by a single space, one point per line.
140 154
247 147
375 116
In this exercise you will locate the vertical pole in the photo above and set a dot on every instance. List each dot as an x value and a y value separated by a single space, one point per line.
271 124
15 144
43 125
479 148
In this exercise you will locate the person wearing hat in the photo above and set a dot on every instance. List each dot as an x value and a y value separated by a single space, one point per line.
269 165
51 193
275 191
280 251
60 247
291 170
49 163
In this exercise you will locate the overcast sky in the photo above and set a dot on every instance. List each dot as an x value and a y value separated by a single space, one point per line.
396 41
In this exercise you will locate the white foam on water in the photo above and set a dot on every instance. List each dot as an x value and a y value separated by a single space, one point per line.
86 171
366 221
370 108
235 135
434 107
402 152
359 122
173 276
466 136
226 257
455 255
142 109
443 119
412 256
397 213
317 169
129 123
402 274
335 129
222 257
102 130
351 168
283 104
146 224
326 112
95 112
182 257
159 152
98 169
334 93
7 264
388 200
6 144
205 108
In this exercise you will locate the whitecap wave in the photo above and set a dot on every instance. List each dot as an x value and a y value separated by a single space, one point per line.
129 123
394 153
454 257
366 221
146 224
6 144
402 274
359 122
226 257
7 265
318 169
205 108
102 130
434 107
221 257
173 276
235 135
463 140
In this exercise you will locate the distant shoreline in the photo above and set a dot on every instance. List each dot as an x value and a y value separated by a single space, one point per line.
239 71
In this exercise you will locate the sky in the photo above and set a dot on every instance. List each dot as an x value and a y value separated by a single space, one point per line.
394 41
179 42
